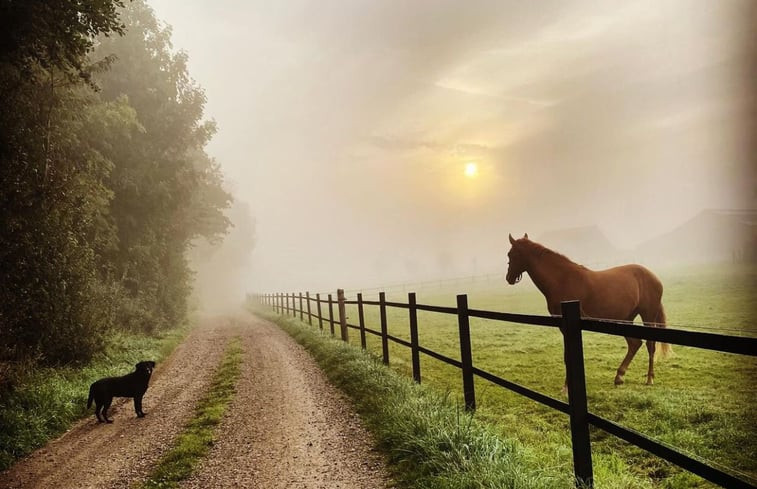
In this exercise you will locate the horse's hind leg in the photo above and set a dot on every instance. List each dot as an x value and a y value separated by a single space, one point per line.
633 346
653 321
650 372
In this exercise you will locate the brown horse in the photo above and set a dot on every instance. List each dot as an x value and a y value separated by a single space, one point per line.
619 293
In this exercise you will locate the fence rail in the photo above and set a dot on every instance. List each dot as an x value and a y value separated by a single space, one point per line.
571 325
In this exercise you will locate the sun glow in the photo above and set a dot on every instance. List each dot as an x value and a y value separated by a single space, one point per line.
471 170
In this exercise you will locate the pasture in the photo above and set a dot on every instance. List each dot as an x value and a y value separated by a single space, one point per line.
702 403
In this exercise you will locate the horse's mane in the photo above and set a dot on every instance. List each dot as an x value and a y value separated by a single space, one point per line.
543 250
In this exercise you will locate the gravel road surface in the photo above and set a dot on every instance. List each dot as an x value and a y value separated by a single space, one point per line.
287 427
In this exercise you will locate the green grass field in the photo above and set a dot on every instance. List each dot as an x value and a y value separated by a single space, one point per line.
702 403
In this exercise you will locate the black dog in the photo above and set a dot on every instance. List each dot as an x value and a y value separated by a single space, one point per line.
131 385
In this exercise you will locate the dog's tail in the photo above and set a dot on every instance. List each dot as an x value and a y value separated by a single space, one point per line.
91 396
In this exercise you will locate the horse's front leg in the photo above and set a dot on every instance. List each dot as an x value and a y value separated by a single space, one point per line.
565 362
650 372
633 346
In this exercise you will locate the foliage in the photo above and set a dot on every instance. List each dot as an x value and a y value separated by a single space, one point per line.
52 34
167 191
100 192
52 192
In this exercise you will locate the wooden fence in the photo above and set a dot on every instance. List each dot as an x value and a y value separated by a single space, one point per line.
570 323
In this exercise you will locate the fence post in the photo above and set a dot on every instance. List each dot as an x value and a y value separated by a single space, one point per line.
310 316
320 316
342 314
331 314
466 357
413 312
361 319
301 311
276 302
384 339
286 304
577 405
294 305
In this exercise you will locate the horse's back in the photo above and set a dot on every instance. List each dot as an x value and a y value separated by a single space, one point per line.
624 291
632 274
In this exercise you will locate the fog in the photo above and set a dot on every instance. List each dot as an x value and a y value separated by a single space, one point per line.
346 127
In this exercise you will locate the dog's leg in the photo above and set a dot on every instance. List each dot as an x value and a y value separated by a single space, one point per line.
98 407
106 405
138 406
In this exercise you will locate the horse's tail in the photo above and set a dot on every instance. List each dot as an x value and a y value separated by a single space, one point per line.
91 396
663 350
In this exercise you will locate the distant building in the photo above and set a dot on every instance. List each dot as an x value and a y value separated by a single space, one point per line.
714 235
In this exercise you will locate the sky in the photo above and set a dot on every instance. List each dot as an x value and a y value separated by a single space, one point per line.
346 126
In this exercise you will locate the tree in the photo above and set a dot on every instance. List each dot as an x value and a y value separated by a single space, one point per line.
167 190
52 190
102 192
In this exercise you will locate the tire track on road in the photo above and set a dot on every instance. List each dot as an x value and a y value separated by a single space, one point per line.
288 427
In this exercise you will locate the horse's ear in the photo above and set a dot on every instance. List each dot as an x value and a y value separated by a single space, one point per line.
512 241
525 236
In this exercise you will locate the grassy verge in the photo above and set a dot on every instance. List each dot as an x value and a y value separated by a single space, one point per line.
197 438
42 403
431 442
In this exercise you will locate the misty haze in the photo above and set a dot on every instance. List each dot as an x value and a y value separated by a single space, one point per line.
347 128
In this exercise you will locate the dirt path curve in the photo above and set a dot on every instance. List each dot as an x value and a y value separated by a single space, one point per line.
93 455
287 426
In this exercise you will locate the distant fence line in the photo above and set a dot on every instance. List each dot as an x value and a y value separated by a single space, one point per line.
429 284
570 323
452 281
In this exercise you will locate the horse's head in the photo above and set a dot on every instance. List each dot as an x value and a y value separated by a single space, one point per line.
516 260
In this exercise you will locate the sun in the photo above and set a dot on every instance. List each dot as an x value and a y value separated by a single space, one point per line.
471 170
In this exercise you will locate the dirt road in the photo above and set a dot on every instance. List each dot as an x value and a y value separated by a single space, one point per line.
287 427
